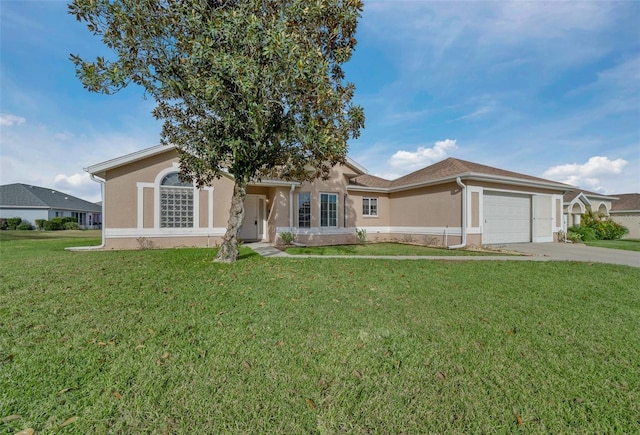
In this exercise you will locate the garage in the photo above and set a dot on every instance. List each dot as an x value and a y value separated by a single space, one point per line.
507 218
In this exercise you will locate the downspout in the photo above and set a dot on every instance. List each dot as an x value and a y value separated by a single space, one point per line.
293 187
101 245
464 216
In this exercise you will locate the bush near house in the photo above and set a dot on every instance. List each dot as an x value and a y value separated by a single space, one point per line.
595 227
59 223
287 238
14 222
25 226
71 226
40 224
55 224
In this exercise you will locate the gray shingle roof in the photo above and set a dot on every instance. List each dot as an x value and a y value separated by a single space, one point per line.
24 195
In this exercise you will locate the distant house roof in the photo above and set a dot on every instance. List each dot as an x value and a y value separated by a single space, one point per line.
448 170
626 202
20 195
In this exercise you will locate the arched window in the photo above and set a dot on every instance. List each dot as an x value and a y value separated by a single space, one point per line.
176 202
602 210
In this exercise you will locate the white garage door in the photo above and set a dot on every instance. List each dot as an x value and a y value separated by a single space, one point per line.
507 218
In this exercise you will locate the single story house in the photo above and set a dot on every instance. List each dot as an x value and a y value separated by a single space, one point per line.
451 203
32 202
626 211
579 201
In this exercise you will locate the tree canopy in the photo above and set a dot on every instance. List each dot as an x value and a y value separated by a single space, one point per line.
252 87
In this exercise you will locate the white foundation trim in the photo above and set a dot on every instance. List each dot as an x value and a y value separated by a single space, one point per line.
449 231
127 233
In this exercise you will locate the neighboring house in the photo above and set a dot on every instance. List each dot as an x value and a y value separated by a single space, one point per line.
33 202
450 203
579 201
626 211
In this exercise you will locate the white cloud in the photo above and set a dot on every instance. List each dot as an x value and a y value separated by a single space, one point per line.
74 180
412 160
480 112
78 184
9 120
587 175
55 158
63 135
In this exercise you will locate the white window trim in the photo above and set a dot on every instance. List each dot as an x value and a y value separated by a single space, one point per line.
298 208
369 214
175 167
337 225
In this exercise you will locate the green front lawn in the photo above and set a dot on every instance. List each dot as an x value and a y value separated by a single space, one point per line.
394 249
626 244
165 341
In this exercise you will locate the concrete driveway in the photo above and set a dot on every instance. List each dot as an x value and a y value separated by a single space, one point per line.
577 252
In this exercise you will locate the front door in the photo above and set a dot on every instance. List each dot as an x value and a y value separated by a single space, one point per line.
250 229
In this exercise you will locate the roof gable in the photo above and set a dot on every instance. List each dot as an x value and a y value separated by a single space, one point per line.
575 196
100 169
24 195
570 196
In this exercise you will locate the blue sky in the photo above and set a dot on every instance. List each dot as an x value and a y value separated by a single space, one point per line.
550 89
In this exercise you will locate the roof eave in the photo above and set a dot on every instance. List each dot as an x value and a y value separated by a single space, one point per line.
605 197
467 176
357 166
357 188
274 183
100 169
39 207
518 181
623 211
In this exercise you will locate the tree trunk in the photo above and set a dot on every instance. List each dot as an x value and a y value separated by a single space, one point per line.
228 252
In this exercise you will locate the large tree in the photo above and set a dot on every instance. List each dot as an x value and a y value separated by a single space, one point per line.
251 87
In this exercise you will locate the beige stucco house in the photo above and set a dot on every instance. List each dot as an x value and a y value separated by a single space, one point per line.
578 201
626 211
451 203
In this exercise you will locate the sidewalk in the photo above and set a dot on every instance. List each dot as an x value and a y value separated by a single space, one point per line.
266 250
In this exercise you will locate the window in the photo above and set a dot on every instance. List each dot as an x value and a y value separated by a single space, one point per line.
304 210
176 202
369 206
328 210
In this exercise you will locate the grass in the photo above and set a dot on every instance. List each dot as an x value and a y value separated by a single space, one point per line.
165 341
393 249
86 236
625 244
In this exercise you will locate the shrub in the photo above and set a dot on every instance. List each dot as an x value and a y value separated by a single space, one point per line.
287 237
25 226
579 233
40 224
54 224
609 230
597 227
71 226
3 224
50 226
14 222
361 234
